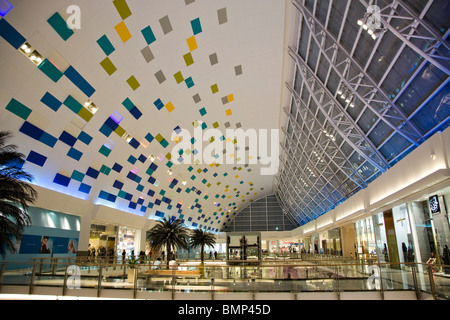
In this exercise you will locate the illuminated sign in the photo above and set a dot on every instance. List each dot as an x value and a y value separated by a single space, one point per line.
434 205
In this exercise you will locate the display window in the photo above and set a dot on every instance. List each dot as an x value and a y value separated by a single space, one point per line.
102 240
431 227
365 238
126 243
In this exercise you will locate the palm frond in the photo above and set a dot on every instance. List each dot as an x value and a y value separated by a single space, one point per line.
15 194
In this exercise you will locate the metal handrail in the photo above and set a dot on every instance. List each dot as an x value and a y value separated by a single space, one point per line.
334 269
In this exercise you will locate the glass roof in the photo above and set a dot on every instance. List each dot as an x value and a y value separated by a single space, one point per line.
360 103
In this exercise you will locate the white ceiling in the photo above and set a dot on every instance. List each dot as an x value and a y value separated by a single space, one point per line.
253 37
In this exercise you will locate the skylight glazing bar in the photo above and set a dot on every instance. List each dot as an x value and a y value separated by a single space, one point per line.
413 135
438 41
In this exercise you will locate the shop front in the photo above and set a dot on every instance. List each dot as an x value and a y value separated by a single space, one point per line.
414 231
111 241
102 240
365 245
332 242
127 242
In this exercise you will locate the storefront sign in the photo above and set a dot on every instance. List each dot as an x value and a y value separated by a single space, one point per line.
434 205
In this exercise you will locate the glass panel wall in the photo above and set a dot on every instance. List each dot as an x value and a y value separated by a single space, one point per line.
365 238
404 234
381 239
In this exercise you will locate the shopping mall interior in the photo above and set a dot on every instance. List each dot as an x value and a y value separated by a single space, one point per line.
309 137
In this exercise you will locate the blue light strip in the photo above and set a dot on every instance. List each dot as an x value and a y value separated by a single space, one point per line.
5 7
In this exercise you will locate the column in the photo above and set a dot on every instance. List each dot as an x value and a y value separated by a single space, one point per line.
85 231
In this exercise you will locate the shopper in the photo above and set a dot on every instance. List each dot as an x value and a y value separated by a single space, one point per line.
446 258
157 264
173 265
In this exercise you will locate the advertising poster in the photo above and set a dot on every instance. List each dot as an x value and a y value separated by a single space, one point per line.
32 244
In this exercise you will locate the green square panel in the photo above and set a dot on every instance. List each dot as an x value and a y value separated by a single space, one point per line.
50 70
105 151
18 109
60 26
105 170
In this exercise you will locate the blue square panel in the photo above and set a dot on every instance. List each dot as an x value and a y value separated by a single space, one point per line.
11 35
48 139
51 102
117 167
92 173
85 138
61 180
68 139
75 154
84 188
36 158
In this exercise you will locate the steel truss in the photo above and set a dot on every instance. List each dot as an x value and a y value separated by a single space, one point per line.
297 193
416 28
359 84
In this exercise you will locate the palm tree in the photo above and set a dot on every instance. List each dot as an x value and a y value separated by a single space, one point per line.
201 239
15 194
169 233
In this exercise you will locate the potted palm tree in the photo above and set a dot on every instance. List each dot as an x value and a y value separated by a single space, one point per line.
168 233
132 264
202 239
15 194
199 238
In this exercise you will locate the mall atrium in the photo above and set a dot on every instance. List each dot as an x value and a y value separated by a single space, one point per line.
310 137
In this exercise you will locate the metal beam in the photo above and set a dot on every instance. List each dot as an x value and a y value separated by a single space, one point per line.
413 135
402 37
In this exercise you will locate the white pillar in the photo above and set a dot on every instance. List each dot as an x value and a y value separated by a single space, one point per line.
85 231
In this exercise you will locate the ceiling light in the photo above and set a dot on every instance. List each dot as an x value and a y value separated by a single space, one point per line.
169 172
184 182
378 34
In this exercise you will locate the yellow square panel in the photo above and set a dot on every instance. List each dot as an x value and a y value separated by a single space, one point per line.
169 106
123 32
192 43
230 97
228 112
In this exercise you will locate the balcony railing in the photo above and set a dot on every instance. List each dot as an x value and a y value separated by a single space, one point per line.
335 279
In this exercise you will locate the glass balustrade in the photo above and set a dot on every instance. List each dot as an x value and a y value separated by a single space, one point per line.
102 278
